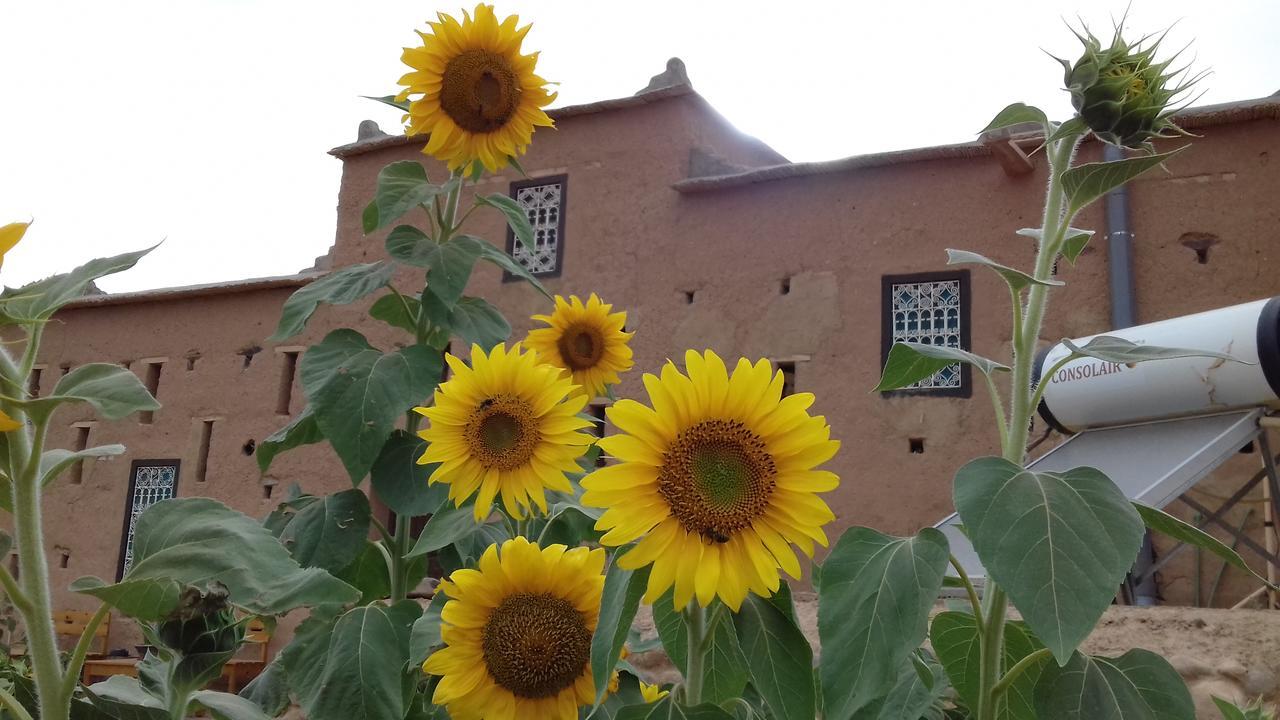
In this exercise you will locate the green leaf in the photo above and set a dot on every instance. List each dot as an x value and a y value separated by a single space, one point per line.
112 391
447 525
329 534
911 697
1118 350
367 573
353 669
146 600
725 670
53 462
1163 522
448 265
954 637
1138 685
337 288
400 482
618 605
1071 128
778 657
909 363
398 312
402 186
669 709
1074 241
39 300
389 100
1016 114
1229 710
496 256
476 321
365 394
1058 543
302 430
873 610
270 690
1016 279
516 217
6 543
1085 183
425 635
197 541
225 706
124 698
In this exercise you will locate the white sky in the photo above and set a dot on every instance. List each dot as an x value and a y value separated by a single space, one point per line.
205 122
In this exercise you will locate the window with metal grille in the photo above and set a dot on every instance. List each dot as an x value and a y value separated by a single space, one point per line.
543 202
932 309
150 482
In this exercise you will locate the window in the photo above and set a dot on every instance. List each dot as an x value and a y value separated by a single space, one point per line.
543 201
150 482
598 427
202 455
933 309
147 417
284 393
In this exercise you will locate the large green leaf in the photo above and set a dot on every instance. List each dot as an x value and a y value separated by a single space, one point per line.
270 690
329 534
725 670
402 186
779 659
496 256
337 288
618 604
1138 685
447 525
448 264
400 482
476 321
1058 543
302 430
112 391
356 668
516 217
225 706
53 462
123 698
1085 183
37 301
1016 114
1163 522
1118 350
368 573
425 635
321 361
1016 279
954 637
364 396
198 541
910 698
398 311
873 610
909 363
668 709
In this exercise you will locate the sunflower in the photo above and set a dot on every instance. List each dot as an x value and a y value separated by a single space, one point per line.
504 425
652 693
716 481
9 236
585 339
517 634
474 93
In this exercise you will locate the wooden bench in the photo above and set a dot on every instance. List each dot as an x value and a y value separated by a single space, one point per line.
72 623
237 672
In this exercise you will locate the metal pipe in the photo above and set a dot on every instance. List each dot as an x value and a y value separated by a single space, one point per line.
1124 314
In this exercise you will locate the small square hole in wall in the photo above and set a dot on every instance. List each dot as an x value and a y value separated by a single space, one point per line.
785 286
248 354
64 559
126 364
267 490
65 367
191 361
788 370
917 446
688 296
249 447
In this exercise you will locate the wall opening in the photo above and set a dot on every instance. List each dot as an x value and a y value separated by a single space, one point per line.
249 447
688 296
1199 243
33 382
597 428
65 367
64 559
785 286
191 361
445 371
284 394
248 354
81 443
152 381
788 370
202 459
267 490
917 446
126 364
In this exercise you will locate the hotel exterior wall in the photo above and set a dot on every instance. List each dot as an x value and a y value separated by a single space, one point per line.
645 246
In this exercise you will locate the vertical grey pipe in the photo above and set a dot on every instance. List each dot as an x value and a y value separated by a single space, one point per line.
1124 314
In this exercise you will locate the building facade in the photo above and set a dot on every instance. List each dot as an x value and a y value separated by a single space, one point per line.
708 239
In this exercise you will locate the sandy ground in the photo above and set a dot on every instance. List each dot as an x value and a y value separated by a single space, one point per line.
1233 654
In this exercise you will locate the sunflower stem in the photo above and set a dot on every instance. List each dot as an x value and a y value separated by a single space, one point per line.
398 576
695 622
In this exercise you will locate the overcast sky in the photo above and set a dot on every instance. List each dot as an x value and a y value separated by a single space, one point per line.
205 123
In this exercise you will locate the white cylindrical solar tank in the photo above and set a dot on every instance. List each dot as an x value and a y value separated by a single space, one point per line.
1087 393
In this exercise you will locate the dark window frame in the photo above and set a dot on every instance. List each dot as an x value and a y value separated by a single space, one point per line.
886 329
563 181
128 498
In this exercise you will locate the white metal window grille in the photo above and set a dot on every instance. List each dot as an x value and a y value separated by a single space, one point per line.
929 313
542 204
151 484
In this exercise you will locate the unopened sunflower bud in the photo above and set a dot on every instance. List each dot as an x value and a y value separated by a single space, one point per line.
202 623
1122 93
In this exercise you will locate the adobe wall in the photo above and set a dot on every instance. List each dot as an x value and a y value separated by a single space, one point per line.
697 270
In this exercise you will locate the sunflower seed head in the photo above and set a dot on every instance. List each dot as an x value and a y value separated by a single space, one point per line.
1123 93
